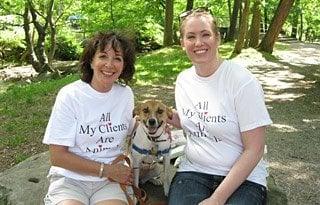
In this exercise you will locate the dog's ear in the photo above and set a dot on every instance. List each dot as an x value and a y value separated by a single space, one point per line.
136 109
169 112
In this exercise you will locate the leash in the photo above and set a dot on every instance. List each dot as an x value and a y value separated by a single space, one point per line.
140 194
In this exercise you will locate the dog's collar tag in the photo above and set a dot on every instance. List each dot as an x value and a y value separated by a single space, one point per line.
154 150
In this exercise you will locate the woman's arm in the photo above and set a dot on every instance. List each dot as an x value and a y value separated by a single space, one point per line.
61 157
253 142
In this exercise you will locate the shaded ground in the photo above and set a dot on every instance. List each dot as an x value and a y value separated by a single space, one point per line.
292 89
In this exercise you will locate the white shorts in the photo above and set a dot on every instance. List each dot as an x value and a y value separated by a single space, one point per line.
87 192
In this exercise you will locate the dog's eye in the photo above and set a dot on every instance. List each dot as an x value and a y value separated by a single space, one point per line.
160 111
145 110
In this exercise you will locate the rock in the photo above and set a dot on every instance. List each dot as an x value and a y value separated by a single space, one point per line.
26 183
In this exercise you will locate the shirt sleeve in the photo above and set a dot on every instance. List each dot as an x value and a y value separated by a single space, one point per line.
250 106
61 128
129 112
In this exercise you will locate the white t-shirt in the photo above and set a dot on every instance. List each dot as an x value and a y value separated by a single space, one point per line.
214 111
90 123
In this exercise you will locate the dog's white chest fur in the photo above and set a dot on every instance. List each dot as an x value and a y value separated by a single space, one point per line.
147 148
157 145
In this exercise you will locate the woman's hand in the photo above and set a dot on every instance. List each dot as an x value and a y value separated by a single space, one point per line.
119 173
210 201
174 120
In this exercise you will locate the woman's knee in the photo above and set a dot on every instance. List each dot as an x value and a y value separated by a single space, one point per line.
187 189
112 202
70 202
249 193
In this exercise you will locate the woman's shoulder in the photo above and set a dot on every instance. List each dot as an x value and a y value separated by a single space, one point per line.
72 87
237 72
122 88
69 91
185 73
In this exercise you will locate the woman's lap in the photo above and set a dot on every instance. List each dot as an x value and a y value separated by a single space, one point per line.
190 188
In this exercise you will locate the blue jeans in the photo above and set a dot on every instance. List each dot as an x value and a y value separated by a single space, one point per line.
190 188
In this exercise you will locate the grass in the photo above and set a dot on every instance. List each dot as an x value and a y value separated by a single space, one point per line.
292 98
24 112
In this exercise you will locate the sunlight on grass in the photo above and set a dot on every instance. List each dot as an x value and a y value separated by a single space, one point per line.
25 109
284 128
161 67
13 141
281 46
4 86
20 157
225 50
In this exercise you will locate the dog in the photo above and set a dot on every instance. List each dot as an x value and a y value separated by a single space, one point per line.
150 142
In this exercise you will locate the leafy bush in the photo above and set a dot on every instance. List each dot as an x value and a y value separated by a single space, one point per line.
11 46
67 49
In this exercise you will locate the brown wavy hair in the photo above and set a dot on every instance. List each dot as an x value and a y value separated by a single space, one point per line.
118 42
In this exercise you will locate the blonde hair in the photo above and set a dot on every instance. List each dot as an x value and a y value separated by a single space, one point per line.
185 16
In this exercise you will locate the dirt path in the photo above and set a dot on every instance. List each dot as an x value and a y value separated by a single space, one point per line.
292 90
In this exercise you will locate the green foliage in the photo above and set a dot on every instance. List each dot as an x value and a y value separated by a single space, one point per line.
20 157
146 25
11 45
67 49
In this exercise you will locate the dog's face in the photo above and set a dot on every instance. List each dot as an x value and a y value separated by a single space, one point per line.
153 114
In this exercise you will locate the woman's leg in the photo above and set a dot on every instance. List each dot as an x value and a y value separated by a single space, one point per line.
70 202
111 202
249 193
189 188
110 193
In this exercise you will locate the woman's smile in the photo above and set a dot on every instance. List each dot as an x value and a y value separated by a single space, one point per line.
107 66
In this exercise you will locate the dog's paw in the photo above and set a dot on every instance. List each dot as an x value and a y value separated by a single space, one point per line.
156 181
166 190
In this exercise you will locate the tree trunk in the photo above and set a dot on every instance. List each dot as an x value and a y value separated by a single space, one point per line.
31 55
301 26
229 9
168 24
243 27
53 32
233 21
265 15
39 48
189 5
295 19
278 20
255 25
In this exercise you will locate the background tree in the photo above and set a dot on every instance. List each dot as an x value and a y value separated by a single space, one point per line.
295 19
36 52
243 27
66 26
233 20
39 23
168 24
189 5
255 25
278 20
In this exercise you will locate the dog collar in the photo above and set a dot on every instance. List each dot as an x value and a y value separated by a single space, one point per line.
148 152
155 139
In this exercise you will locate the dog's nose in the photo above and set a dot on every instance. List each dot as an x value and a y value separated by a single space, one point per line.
152 122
